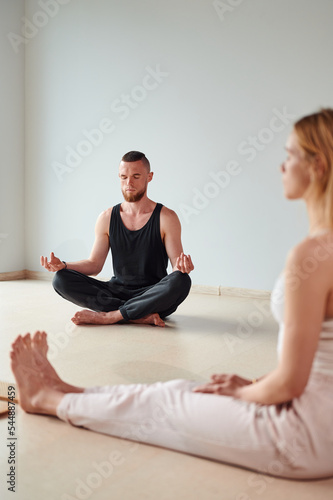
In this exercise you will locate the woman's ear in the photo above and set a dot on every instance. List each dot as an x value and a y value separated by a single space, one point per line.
319 167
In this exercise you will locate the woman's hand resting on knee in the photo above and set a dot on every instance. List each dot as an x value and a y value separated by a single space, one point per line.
223 385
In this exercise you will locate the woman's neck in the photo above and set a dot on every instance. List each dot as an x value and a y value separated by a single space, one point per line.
317 222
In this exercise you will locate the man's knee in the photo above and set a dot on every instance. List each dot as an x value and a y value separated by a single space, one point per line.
183 282
60 280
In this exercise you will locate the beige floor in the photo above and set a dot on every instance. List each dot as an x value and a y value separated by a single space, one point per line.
207 334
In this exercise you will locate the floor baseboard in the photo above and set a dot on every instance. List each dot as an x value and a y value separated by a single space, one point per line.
13 276
246 293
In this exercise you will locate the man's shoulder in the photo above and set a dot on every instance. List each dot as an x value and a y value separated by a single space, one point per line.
169 218
103 220
168 212
106 213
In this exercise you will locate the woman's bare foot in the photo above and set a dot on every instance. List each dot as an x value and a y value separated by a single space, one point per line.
87 317
39 349
35 396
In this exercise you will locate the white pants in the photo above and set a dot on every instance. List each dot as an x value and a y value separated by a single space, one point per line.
293 440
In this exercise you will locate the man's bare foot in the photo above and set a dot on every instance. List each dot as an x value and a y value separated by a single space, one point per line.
151 319
35 396
87 317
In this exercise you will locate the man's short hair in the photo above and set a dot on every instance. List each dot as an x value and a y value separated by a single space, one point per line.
132 156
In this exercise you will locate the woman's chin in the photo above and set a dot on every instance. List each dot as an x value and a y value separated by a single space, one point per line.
290 195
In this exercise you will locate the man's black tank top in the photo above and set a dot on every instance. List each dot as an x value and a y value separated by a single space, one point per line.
139 257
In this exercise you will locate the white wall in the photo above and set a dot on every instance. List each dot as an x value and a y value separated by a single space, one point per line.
12 227
224 79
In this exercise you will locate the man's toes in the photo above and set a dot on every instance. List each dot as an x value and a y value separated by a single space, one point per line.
158 321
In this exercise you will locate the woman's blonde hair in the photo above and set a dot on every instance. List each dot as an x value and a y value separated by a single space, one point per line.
315 136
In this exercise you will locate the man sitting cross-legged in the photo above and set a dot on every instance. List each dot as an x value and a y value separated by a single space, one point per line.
142 236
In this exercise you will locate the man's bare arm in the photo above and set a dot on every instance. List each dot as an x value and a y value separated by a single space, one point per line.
94 264
171 237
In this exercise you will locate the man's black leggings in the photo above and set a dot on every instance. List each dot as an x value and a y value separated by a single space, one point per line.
103 296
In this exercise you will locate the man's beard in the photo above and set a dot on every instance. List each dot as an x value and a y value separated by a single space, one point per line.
132 197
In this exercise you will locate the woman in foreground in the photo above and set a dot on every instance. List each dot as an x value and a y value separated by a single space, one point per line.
281 424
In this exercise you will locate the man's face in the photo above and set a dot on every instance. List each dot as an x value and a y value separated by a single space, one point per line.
134 178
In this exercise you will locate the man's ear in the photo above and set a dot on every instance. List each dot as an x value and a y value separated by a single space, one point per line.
150 176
